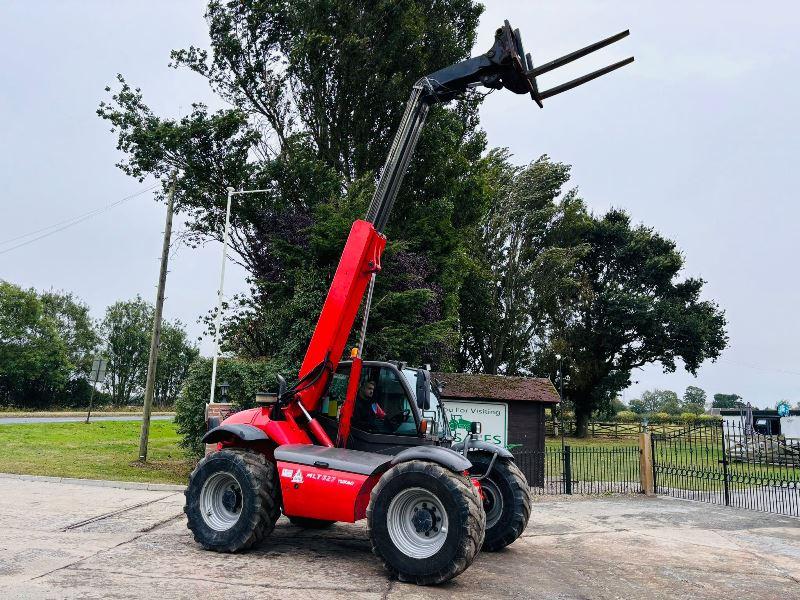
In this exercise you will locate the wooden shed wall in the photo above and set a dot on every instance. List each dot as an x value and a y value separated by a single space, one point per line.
526 424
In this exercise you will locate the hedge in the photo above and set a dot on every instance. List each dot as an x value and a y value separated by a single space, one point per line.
245 377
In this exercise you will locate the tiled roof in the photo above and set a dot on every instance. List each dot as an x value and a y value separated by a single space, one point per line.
497 387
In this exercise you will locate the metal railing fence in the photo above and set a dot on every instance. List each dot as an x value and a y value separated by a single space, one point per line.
581 469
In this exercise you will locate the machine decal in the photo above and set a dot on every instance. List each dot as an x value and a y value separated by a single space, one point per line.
287 472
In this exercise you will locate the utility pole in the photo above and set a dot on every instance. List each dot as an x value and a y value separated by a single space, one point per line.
155 340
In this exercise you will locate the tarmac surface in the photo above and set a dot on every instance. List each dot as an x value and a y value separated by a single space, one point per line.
70 539
27 420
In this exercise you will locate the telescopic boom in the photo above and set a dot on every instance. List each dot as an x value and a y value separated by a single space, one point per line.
505 65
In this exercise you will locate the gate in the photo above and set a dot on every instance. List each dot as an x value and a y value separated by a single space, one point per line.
729 464
581 469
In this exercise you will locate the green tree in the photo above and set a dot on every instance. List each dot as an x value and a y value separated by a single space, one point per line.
656 401
76 328
520 271
175 355
694 400
726 400
316 90
630 310
126 335
610 409
34 360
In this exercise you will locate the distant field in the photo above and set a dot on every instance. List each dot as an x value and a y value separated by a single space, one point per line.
102 450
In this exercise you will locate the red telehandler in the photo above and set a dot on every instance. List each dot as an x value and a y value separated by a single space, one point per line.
355 439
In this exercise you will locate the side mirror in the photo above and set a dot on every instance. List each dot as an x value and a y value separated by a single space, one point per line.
423 389
281 386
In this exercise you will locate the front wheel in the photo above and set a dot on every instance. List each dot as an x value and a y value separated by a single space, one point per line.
506 500
232 500
425 522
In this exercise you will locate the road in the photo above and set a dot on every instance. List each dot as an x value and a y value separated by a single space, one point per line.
24 420
64 540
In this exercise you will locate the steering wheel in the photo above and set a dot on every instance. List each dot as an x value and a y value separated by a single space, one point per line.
396 420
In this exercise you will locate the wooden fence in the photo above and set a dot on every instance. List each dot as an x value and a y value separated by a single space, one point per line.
609 429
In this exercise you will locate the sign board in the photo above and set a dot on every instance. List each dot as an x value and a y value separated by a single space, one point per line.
98 370
493 417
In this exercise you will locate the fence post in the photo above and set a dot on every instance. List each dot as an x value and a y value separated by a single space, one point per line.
567 470
724 463
646 463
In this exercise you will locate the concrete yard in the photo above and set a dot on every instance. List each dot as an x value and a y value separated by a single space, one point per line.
68 540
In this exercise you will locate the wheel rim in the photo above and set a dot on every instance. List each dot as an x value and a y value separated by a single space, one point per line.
221 501
492 502
417 523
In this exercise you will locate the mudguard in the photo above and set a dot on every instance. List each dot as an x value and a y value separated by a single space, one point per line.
245 433
443 456
484 446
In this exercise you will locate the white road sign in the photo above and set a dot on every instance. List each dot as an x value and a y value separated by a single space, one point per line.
493 417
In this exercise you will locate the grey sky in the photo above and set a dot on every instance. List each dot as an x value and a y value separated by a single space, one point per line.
698 139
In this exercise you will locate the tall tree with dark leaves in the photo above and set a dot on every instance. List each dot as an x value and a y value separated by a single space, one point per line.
631 309
521 270
316 91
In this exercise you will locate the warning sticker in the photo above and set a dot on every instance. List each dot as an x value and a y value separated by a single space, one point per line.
287 472
298 477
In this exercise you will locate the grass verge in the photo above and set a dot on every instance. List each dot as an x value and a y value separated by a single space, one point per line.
101 450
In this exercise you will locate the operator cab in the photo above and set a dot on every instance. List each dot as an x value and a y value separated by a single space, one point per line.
386 417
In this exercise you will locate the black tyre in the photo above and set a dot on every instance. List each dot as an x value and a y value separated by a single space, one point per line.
308 523
233 500
506 500
425 522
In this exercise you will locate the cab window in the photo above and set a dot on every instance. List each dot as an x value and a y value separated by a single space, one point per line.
381 402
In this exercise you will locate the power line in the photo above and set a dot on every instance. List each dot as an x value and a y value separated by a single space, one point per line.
62 225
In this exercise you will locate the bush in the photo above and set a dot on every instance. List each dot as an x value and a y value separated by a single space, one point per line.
245 378
627 416
708 418
660 417
688 417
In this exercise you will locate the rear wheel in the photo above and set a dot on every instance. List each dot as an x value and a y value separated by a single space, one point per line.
232 500
425 522
506 500
309 523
